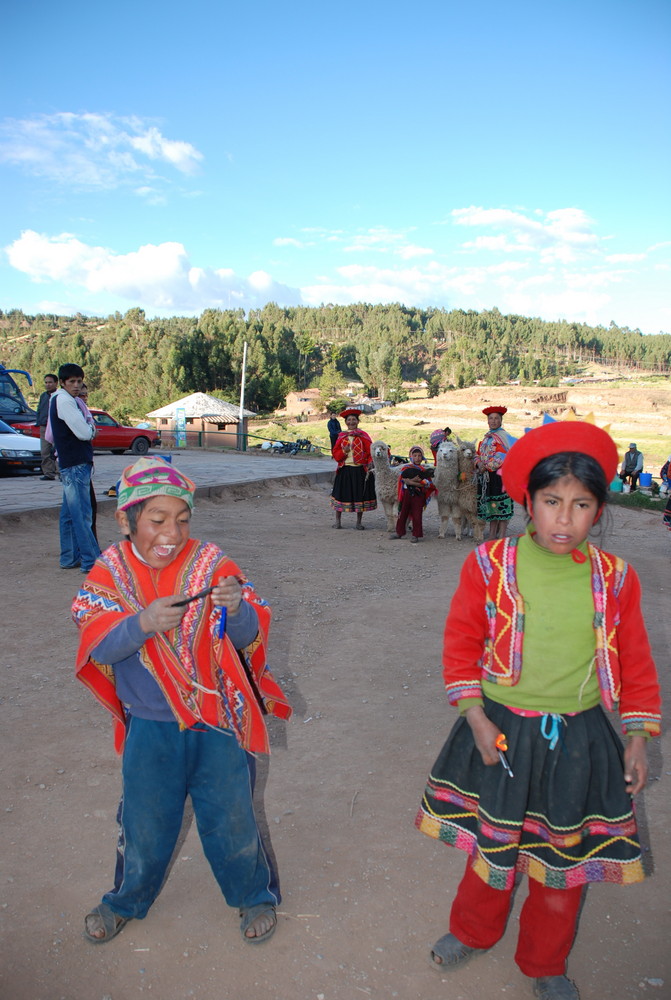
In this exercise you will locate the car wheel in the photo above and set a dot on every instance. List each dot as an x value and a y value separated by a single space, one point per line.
118 451
140 446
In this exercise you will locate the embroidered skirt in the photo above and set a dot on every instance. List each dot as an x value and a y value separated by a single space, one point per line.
493 503
353 490
565 817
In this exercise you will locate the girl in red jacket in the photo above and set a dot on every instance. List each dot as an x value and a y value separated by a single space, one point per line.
542 632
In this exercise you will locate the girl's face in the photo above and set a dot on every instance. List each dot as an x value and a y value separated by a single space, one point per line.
352 422
563 513
416 456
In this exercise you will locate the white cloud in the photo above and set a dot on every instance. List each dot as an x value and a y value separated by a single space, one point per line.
410 251
625 258
287 241
155 276
563 234
92 150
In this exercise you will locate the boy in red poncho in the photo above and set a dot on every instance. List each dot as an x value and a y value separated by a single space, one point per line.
188 685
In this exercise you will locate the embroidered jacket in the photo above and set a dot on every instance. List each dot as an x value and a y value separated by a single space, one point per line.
361 445
202 676
484 633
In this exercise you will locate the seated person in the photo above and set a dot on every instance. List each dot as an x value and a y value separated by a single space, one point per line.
632 466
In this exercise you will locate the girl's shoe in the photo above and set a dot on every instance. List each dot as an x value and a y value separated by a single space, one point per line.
449 952
555 988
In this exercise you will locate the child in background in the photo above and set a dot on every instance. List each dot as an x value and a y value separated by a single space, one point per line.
414 492
541 630
173 643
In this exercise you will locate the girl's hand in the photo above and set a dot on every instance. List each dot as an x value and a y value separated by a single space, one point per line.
228 594
484 734
635 764
162 615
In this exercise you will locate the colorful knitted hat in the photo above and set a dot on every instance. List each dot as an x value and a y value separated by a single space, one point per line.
351 412
151 477
551 439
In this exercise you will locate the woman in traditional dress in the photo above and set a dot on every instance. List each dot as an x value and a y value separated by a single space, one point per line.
354 484
494 504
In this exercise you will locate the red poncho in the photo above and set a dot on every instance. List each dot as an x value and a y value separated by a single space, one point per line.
203 678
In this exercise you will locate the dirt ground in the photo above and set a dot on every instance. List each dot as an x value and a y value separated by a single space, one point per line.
356 642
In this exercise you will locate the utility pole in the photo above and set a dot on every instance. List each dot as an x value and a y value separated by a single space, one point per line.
242 437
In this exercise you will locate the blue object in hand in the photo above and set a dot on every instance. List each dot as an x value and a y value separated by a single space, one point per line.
222 623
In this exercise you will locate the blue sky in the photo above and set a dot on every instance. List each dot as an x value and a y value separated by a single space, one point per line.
179 157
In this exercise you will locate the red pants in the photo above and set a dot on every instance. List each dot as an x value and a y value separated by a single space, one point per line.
547 922
412 507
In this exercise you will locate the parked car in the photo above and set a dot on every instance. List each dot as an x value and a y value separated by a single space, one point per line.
112 436
18 451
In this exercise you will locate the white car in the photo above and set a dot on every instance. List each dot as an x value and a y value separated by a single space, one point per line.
18 451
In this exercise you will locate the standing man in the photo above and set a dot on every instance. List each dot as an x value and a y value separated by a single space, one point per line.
334 428
632 466
72 440
49 467
494 504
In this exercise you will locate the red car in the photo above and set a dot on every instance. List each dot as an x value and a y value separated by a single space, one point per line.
112 436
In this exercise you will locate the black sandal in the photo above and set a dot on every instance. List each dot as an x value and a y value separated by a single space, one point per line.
110 922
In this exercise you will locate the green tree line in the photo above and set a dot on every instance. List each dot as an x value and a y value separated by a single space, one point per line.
134 365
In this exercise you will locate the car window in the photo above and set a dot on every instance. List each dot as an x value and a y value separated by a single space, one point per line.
104 420
6 429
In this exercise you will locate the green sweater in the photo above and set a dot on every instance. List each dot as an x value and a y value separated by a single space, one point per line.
558 667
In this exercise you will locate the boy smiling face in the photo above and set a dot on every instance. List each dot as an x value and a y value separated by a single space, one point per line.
161 530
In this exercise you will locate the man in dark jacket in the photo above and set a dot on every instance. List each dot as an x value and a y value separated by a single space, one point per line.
73 435
49 467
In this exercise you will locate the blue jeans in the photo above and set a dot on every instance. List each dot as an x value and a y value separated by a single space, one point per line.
78 543
161 766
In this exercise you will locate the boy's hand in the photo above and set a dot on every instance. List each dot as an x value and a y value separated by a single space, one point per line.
161 615
636 764
228 593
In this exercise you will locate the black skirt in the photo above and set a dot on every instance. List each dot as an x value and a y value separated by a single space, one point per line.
564 819
353 489
494 504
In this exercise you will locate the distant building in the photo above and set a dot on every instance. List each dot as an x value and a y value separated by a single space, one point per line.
210 422
303 403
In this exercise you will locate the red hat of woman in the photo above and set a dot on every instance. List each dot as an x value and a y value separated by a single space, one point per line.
495 409
351 412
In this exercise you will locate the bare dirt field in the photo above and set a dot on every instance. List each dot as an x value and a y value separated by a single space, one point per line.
356 641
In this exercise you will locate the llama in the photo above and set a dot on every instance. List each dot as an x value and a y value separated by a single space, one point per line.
386 483
446 481
467 491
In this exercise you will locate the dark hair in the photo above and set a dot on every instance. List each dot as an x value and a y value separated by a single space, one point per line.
447 430
132 513
570 463
70 371
51 375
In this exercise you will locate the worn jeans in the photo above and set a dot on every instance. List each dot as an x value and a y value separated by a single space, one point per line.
78 543
162 765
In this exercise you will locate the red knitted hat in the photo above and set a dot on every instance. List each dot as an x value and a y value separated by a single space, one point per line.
352 412
495 409
550 439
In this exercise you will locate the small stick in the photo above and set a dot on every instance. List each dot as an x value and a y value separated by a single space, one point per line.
351 808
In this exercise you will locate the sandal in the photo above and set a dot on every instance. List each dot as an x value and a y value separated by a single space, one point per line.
247 918
106 920
451 952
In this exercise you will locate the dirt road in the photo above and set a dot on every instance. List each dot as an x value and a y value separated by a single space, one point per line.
356 640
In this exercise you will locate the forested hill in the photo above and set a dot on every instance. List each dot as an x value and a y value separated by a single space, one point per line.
134 365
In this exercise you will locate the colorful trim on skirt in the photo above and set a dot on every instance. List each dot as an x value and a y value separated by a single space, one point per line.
493 503
353 490
564 819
